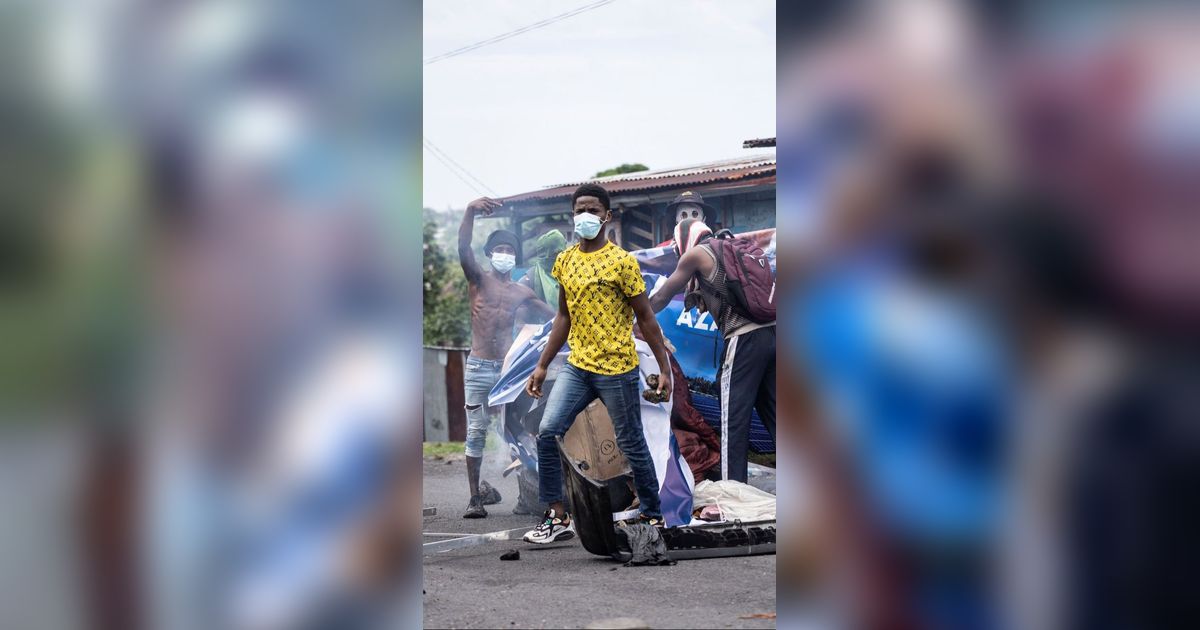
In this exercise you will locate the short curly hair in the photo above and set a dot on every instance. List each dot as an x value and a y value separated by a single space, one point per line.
592 190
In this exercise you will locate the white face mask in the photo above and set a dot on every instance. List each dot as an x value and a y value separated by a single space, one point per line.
587 225
503 263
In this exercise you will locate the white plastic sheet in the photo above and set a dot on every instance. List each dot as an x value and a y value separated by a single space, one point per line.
736 500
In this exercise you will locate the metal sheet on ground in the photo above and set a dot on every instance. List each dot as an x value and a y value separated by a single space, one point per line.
473 540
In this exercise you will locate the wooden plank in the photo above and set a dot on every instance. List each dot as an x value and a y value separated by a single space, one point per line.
517 227
640 232
456 413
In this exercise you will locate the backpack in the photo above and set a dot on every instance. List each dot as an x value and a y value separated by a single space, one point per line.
748 276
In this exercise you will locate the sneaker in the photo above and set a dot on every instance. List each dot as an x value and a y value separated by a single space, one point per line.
552 528
475 509
489 494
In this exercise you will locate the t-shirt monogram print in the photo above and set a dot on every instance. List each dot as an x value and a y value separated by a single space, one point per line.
597 287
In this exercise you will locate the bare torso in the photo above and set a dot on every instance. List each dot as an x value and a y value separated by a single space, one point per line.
496 301
494 305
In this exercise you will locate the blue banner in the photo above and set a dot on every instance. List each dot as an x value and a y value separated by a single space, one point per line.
695 337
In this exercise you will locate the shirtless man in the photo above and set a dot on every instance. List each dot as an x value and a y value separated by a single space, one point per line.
495 302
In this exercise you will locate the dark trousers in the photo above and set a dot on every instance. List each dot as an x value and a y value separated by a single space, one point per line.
747 383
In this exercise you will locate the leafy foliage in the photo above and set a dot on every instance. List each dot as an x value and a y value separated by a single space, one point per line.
447 308
622 169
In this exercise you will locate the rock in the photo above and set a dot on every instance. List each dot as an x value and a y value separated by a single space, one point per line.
511 554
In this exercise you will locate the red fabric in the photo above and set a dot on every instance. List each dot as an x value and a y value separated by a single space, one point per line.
698 456
698 442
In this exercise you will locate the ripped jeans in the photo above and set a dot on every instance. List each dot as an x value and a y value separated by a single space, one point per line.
479 378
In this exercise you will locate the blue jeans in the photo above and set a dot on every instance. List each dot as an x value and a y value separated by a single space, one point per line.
573 391
479 378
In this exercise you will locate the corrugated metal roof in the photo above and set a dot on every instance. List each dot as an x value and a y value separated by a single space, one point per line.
755 169
758 143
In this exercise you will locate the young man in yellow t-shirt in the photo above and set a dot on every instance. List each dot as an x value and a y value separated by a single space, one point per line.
601 291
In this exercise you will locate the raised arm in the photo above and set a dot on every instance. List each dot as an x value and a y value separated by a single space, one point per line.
558 336
689 264
466 230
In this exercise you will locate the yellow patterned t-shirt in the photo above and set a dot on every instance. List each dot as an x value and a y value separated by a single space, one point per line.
597 287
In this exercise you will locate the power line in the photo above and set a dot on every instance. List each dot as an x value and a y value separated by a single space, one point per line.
523 29
437 150
455 173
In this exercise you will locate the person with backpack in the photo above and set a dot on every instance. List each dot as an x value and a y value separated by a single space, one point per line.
731 278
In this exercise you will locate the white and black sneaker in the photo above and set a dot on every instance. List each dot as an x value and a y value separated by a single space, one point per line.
553 528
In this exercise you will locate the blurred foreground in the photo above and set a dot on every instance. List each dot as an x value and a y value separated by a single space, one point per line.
210 229
987 224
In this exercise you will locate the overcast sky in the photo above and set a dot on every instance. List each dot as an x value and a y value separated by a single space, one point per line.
662 82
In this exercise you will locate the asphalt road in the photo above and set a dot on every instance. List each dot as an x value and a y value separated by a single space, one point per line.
562 585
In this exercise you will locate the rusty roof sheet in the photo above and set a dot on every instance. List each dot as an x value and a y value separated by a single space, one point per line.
759 169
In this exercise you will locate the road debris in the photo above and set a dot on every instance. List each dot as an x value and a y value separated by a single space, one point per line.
513 467
473 540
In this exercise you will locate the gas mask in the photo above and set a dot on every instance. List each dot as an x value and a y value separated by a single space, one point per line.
688 211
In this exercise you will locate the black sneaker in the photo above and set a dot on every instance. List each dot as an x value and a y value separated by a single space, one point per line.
475 509
489 494
552 528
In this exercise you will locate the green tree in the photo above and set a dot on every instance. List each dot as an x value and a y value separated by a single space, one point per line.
622 169
447 309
